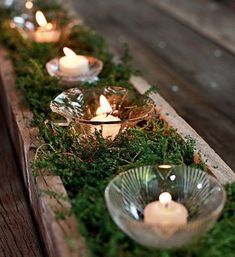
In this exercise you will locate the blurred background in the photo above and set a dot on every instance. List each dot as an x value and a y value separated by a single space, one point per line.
184 47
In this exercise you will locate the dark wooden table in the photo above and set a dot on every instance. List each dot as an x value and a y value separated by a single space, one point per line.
192 72
18 232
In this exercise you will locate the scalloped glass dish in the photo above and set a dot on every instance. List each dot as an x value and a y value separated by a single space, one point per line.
128 194
80 107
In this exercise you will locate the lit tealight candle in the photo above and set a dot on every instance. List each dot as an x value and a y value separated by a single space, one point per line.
166 213
103 115
72 64
46 32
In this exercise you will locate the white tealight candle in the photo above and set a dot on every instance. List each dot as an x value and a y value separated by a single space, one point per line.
108 130
72 64
46 32
165 212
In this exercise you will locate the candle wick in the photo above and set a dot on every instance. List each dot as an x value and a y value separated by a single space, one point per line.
166 205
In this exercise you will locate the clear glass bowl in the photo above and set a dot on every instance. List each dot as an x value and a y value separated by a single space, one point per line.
28 29
79 107
24 21
128 193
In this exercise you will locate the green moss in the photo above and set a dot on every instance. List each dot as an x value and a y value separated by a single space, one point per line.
87 169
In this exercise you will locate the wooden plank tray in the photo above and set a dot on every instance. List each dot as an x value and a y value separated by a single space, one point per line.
61 237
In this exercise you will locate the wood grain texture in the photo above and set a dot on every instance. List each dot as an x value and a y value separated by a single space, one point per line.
18 235
181 62
213 20
52 230
55 203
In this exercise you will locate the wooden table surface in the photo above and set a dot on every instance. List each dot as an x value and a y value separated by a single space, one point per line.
18 233
194 74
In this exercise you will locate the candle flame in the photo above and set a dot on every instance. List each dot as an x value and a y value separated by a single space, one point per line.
165 198
105 107
68 52
104 103
40 18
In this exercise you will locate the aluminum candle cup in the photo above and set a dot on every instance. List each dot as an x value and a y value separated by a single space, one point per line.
108 110
200 196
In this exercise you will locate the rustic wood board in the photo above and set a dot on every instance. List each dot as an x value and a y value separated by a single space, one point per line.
214 163
61 237
18 233
63 233
207 17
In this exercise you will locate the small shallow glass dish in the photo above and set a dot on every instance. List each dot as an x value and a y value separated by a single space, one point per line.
128 193
28 29
95 67
79 107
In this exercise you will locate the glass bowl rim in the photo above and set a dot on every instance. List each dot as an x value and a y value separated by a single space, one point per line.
151 110
215 211
122 121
